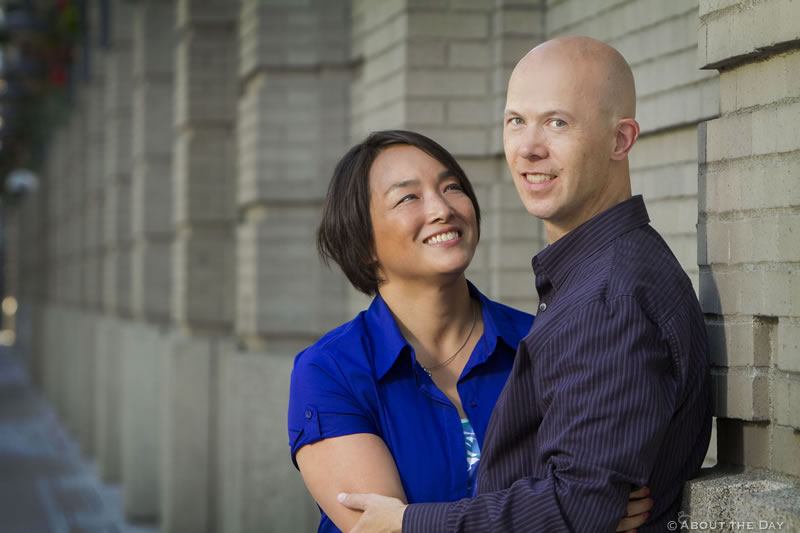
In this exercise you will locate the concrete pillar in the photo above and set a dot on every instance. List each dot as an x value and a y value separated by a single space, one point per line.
293 124
76 351
203 259
117 238
94 94
54 367
118 162
91 95
748 247
146 341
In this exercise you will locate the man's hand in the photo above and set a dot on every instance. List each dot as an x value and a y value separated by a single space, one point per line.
381 514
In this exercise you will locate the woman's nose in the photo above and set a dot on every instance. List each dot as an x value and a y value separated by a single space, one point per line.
438 208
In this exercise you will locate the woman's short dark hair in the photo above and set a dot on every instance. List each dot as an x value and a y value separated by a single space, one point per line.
345 232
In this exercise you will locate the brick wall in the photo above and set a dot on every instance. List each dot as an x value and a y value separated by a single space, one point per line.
749 222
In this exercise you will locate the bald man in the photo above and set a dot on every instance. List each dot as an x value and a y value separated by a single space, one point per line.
610 389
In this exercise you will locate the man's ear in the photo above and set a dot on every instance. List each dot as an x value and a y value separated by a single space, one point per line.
625 134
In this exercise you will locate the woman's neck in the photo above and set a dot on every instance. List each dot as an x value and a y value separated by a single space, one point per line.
434 319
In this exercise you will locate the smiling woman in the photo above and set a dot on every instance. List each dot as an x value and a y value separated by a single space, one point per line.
346 232
423 221
422 368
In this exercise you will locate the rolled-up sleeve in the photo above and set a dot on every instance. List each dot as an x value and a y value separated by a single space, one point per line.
321 402
606 389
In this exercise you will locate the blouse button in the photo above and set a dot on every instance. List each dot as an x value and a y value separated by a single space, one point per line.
309 414
542 307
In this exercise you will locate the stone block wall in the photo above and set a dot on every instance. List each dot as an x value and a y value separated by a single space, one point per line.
749 221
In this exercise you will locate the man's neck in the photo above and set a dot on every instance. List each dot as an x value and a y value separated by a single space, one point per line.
555 229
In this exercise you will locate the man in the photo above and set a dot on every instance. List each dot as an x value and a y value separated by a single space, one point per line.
610 389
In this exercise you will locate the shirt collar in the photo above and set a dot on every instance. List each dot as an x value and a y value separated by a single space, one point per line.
495 324
388 343
557 259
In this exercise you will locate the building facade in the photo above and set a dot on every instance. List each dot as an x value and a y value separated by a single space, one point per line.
167 269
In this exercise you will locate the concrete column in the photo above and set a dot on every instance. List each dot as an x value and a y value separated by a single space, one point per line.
54 387
76 346
91 113
29 274
293 118
748 250
203 260
146 341
118 162
117 238
94 94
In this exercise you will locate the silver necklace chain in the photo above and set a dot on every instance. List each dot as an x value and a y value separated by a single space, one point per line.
449 359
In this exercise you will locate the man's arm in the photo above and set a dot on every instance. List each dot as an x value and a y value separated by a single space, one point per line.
610 394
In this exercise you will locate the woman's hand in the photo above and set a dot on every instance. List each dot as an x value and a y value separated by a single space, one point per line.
638 505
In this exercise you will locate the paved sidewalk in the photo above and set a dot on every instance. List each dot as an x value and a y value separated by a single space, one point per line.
46 486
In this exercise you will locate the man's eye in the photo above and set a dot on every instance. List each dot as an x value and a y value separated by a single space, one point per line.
558 123
516 121
453 187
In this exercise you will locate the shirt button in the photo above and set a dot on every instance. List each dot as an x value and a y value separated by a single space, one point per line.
542 307
473 404
309 414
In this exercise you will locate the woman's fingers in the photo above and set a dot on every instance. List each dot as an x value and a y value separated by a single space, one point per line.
637 514
631 522
641 493
637 507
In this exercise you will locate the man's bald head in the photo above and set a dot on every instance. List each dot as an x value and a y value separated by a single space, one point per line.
597 67
568 127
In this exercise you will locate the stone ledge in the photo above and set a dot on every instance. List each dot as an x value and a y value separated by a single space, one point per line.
731 498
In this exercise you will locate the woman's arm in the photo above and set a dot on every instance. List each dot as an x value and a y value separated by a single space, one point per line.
351 463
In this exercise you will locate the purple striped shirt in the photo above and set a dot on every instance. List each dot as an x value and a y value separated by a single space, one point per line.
609 391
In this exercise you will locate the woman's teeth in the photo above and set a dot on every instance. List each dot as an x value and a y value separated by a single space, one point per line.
442 237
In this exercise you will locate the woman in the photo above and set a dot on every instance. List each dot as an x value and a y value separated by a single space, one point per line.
397 400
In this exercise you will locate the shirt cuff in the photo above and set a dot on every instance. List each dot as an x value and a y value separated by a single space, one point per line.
425 518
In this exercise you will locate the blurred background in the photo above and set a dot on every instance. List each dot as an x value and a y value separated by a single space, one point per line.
163 164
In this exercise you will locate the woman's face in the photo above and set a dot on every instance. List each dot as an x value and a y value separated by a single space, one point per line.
423 223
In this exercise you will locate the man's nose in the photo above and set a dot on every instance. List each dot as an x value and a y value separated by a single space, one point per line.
533 144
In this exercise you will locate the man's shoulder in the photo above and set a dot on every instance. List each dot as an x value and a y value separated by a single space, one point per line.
637 264
643 266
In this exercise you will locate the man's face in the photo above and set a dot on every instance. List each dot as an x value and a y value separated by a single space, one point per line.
558 136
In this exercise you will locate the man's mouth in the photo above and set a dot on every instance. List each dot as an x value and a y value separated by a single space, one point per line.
442 237
538 178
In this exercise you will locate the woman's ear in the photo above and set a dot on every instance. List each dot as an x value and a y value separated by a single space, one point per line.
625 134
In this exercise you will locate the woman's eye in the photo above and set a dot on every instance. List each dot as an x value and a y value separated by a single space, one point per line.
406 198
453 187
